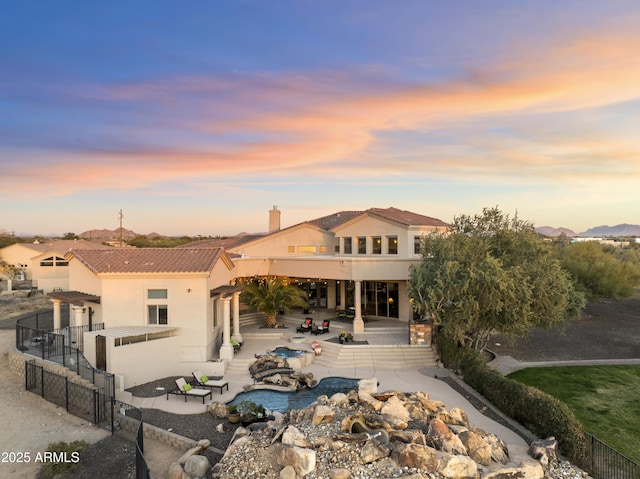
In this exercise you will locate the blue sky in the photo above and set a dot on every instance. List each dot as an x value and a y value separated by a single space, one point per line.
198 117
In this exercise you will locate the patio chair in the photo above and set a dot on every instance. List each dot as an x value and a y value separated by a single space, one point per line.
204 381
306 326
187 390
321 329
236 346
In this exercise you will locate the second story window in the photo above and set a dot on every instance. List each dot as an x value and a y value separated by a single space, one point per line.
362 245
417 244
376 243
347 246
157 309
392 245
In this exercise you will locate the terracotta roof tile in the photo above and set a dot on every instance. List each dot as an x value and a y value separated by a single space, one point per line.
406 217
149 260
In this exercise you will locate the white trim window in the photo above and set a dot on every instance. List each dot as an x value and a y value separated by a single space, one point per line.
157 308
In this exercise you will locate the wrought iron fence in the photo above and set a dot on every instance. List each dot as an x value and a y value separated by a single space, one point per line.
607 463
35 335
91 404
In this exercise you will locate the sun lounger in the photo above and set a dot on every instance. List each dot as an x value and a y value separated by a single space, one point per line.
203 381
187 390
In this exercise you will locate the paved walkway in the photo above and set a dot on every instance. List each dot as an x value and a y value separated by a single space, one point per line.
259 341
507 364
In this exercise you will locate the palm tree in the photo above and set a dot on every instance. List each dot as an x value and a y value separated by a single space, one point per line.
272 295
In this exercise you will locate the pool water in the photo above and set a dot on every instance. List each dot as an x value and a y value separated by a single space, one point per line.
287 352
282 401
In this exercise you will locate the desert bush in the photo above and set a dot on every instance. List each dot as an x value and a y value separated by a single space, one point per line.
63 458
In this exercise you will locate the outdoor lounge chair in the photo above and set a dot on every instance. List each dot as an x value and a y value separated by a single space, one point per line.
321 329
187 390
204 381
306 326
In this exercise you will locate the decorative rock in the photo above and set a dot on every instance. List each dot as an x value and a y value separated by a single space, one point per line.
411 436
526 470
477 447
395 407
322 415
544 450
459 417
197 467
302 460
288 472
499 450
292 436
374 450
222 427
175 471
458 467
202 445
415 455
440 436
218 410
339 474
369 400
368 386
352 396
340 399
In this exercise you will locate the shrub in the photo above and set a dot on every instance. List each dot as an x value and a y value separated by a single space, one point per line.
67 453
539 412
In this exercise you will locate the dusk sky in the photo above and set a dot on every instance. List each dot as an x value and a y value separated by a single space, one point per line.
196 118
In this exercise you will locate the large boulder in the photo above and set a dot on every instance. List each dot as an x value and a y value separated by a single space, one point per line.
442 438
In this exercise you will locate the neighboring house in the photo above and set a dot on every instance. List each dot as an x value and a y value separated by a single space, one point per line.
165 310
43 264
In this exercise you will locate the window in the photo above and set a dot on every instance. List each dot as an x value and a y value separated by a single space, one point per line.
362 245
54 261
417 244
392 244
158 314
377 244
157 294
307 249
47 262
291 249
323 248
347 246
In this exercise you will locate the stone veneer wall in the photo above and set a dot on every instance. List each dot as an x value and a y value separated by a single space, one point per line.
420 333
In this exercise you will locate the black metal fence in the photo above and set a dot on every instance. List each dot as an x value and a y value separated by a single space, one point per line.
607 463
91 404
36 336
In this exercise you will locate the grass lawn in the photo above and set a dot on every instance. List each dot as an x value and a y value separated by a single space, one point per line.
605 399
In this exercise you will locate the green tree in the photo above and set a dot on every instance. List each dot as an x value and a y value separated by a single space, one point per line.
272 295
491 273
601 270
70 236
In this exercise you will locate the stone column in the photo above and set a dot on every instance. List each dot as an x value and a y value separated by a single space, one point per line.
343 294
236 318
56 313
226 350
358 322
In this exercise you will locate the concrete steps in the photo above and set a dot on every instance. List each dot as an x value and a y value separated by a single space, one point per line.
338 356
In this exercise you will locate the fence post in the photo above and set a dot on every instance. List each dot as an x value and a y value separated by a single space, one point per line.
66 392
42 381
95 407
78 362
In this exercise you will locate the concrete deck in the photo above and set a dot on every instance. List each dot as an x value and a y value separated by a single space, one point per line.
390 334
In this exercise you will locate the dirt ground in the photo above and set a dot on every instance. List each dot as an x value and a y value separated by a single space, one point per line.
30 423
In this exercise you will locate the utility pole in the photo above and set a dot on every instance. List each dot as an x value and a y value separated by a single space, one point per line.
120 216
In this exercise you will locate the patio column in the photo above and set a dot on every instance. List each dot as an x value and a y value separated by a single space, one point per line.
226 350
56 313
236 318
77 315
358 322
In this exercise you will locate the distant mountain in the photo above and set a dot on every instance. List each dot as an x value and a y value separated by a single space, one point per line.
105 234
553 232
618 230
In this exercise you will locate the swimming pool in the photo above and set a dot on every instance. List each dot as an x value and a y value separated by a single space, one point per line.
282 401
286 352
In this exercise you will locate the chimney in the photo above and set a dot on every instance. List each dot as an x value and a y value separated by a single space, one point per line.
274 220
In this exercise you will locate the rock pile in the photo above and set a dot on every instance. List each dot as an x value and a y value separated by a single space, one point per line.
366 434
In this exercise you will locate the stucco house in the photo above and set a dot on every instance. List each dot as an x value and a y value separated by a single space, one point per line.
42 263
171 311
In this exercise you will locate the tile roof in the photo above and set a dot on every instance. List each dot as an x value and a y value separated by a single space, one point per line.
336 219
406 217
226 243
64 245
149 260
